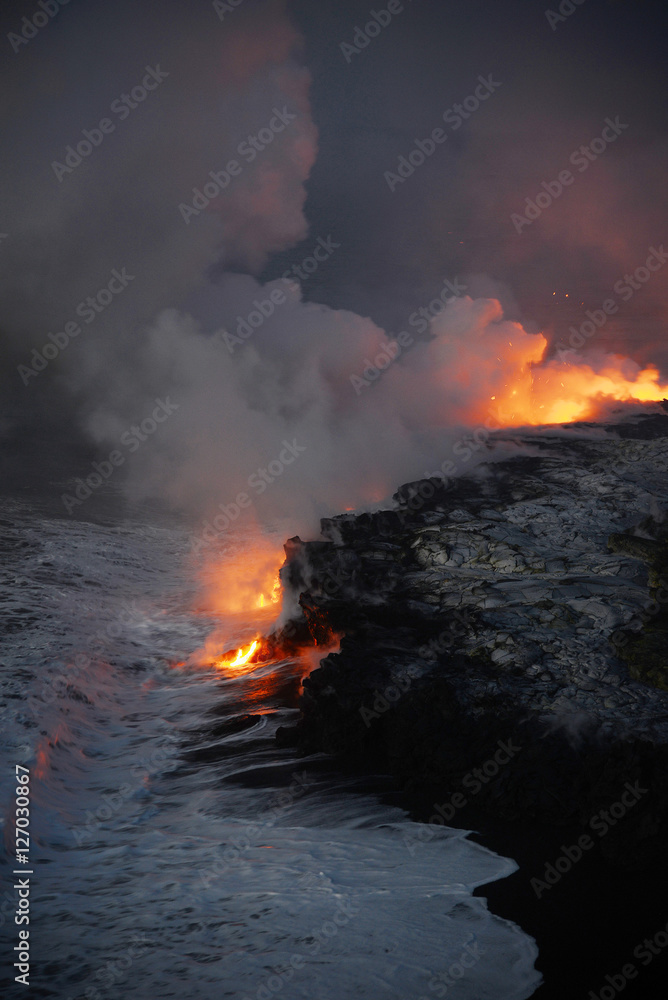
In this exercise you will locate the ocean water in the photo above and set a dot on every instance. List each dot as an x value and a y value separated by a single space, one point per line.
176 851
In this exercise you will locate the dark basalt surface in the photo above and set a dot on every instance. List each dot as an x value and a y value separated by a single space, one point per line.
523 604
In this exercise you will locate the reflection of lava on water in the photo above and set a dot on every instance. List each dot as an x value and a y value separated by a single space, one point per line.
272 667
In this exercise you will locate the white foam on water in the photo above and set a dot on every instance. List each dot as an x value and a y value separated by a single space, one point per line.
240 879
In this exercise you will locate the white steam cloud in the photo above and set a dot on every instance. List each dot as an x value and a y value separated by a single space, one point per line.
204 179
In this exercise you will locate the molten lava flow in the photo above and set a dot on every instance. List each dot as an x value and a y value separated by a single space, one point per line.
241 581
241 658
209 655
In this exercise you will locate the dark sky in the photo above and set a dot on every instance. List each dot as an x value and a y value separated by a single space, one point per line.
558 87
324 177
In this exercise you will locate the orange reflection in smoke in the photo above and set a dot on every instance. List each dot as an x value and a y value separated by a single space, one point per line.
237 582
245 583
534 392
240 662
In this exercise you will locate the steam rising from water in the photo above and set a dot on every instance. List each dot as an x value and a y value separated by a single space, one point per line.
305 412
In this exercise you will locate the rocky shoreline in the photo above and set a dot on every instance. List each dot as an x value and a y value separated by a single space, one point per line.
504 638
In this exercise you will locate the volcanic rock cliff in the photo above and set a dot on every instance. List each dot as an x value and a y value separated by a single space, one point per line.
521 605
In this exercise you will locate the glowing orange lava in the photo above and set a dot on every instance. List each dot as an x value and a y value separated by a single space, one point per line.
273 598
244 584
562 392
534 391
241 658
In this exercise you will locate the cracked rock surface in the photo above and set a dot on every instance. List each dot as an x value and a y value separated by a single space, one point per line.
504 604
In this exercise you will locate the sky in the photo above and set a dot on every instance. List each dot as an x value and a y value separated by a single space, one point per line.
230 321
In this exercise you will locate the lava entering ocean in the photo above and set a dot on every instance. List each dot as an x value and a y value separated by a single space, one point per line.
241 659
498 375
243 580
243 587
238 585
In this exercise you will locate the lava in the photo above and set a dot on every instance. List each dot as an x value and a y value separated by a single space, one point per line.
533 391
241 658
559 392
273 598
482 369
